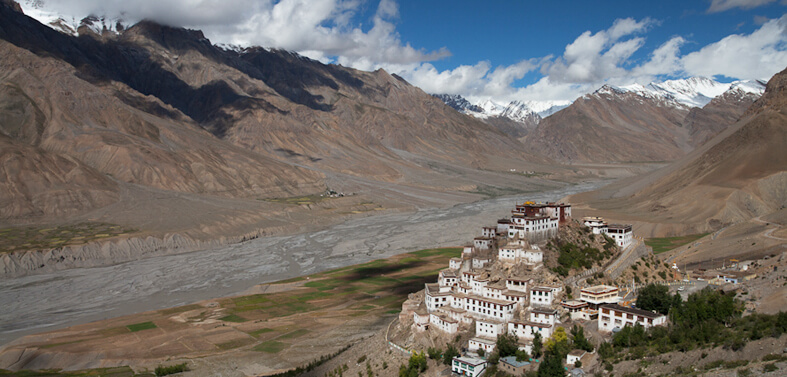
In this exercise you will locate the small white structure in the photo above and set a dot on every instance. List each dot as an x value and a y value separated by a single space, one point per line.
488 345
468 366
469 276
600 294
574 356
535 228
444 323
434 298
467 251
489 231
455 264
481 307
488 329
493 291
528 329
517 284
518 253
622 234
546 316
541 296
456 314
520 298
578 309
483 243
596 224
614 315
447 278
421 320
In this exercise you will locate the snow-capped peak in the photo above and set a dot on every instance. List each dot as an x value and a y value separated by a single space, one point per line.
691 92
70 24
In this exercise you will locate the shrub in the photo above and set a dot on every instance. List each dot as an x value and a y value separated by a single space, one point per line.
770 368
172 369
450 353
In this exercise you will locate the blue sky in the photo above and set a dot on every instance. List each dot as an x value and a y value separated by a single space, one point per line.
499 50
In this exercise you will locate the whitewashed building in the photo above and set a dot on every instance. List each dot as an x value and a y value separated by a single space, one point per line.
468 366
528 329
443 323
596 224
447 278
494 291
613 315
481 307
455 264
488 345
489 231
520 298
488 329
574 356
622 234
535 228
517 284
547 316
421 320
600 294
516 253
434 298
483 243
542 296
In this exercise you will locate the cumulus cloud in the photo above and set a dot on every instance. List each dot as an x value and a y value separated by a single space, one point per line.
722 5
757 55
320 29
330 31
595 57
605 57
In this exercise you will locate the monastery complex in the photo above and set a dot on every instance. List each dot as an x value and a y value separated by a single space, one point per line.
499 286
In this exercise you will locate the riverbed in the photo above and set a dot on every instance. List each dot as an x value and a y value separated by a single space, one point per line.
37 303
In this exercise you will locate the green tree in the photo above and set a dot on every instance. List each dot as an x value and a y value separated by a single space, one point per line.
507 344
580 341
537 346
655 297
522 355
551 365
558 343
449 354
434 353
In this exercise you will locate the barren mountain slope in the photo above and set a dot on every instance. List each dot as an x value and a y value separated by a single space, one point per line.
706 122
49 111
162 107
740 174
608 126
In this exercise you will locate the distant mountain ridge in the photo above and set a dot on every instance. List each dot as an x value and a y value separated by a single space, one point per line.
739 174
162 107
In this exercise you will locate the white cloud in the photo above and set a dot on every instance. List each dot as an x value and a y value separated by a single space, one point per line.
605 57
596 57
722 5
320 29
760 54
329 31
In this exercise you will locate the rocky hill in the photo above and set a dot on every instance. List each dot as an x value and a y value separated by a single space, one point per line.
661 122
164 108
737 175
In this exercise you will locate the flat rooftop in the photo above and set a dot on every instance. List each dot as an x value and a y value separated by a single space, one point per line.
600 289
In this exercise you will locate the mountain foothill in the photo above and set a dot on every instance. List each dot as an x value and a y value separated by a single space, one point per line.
122 117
